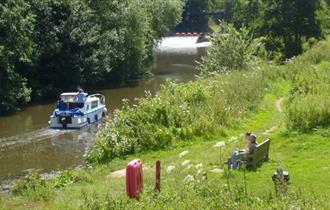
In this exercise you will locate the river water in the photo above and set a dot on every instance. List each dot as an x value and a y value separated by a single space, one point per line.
26 142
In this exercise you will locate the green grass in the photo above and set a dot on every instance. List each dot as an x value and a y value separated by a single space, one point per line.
304 155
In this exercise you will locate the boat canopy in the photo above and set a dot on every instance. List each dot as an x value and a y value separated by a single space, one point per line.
70 97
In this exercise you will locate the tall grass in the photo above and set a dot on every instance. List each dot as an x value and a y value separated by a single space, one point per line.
207 194
179 112
182 111
308 104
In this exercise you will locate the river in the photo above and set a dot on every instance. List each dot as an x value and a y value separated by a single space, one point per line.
26 142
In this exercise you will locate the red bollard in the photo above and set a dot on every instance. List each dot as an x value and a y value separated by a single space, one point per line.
134 178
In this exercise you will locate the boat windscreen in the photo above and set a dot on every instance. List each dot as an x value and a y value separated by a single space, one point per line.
74 105
69 98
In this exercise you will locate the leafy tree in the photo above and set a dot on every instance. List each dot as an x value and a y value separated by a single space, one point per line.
194 17
53 45
284 24
16 48
231 50
287 23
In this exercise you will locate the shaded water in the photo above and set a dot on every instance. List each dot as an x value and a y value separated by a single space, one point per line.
27 143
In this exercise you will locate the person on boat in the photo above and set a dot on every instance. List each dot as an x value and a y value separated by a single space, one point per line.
81 97
61 105
239 154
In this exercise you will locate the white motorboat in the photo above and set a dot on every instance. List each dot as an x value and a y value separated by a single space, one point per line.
70 114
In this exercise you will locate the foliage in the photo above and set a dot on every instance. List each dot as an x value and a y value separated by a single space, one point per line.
16 48
69 177
53 45
309 101
209 195
286 25
231 50
194 17
32 185
179 112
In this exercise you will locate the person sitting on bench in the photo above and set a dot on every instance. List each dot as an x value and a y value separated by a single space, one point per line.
239 154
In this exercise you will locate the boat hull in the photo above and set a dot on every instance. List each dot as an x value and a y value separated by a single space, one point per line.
64 121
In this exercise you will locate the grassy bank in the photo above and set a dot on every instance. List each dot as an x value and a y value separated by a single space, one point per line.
193 118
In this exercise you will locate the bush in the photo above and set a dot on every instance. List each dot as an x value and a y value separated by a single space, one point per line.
67 178
33 186
308 105
179 112
231 50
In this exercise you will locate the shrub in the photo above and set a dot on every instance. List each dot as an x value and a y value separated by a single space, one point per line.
178 113
231 50
70 177
308 104
33 186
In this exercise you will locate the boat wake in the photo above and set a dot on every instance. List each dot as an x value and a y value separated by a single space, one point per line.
30 137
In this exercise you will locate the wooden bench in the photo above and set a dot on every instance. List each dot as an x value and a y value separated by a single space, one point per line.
260 154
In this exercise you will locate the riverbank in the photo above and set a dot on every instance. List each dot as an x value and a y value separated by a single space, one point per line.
184 183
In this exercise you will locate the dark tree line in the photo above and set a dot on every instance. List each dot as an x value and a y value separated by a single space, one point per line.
194 16
50 46
285 24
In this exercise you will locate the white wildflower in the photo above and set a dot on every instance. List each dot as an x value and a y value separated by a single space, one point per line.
186 163
189 166
199 171
233 138
183 154
198 166
189 178
169 169
220 144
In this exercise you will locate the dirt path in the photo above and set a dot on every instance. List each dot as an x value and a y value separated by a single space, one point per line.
278 105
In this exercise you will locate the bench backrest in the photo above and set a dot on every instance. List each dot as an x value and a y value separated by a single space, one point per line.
261 152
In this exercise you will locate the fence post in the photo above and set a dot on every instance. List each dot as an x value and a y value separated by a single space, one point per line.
158 168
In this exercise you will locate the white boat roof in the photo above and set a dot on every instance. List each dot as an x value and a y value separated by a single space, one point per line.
69 94
89 99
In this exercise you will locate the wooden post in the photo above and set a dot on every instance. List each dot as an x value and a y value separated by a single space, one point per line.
158 175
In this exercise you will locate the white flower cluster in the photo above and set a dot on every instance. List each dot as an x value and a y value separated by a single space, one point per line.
182 154
199 166
220 144
233 139
186 163
169 169
189 178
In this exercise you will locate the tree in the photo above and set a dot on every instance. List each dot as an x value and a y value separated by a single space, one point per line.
16 48
231 50
194 18
285 24
53 45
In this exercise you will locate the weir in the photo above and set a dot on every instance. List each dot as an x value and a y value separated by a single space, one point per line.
191 45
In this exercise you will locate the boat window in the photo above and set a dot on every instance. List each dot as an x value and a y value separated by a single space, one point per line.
87 108
94 104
